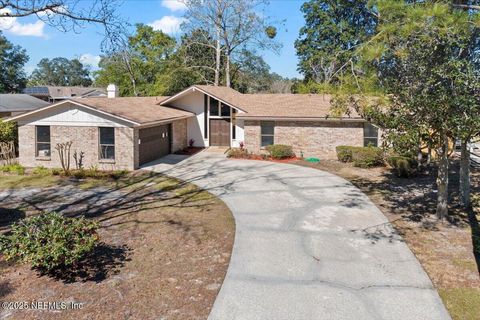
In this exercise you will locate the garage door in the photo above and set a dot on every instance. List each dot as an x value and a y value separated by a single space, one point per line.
154 143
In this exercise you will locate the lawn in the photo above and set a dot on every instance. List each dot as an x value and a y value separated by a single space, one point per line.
165 247
444 249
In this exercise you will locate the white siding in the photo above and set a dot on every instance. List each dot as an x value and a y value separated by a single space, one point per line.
240 135
72 115
193 102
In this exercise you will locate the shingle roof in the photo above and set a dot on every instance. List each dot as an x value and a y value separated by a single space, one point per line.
304 106
142 110
20 102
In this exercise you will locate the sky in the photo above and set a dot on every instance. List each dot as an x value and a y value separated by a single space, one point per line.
43 41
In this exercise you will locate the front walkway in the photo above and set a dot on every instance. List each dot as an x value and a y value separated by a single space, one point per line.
308 246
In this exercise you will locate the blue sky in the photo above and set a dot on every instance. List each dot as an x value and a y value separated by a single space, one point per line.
42 41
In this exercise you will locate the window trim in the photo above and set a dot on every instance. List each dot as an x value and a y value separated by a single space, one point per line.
267 134
370 137
49 142
100 154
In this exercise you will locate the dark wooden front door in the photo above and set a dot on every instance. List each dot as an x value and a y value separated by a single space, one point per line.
154 143
220 132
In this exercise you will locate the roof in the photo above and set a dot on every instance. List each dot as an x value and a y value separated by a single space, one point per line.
61 91
141 110
20 102
272 106
301 106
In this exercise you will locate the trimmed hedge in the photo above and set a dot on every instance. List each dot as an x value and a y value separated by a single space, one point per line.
280 151
404 167
238 153
364 157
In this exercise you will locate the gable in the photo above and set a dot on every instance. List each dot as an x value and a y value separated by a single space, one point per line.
70 114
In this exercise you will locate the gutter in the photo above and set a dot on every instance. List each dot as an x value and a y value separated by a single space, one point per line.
324 119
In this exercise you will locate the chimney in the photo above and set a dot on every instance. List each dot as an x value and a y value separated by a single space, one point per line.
112 91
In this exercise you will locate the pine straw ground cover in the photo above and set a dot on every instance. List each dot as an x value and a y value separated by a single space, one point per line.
165 249
444 249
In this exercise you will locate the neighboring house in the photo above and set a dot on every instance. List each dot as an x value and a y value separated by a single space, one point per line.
124 133
56 93
14 104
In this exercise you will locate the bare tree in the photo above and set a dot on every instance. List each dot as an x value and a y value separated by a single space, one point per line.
70 15
234 25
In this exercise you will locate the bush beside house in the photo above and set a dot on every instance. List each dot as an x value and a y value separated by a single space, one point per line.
363 157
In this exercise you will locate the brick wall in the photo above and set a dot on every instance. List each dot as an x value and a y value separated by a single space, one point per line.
314 139
179 132
84 139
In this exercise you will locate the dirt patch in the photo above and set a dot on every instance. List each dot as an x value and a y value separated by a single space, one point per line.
165 250
444 249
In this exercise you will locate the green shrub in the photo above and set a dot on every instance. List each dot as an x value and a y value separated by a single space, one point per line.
345 153
404 167
50 241
367 157
56 172
41 171
280 151
13 168
238 153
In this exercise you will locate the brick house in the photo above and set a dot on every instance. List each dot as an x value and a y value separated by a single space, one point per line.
125 133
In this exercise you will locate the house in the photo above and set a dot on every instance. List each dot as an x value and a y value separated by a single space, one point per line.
58 93
125 133
14 104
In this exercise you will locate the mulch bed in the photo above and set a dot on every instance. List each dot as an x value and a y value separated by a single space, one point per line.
189 151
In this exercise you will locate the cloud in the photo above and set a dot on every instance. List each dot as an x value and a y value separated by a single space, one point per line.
11 25
174 5
89 59
168 24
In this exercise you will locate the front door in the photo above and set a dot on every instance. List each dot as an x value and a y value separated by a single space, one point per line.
220 132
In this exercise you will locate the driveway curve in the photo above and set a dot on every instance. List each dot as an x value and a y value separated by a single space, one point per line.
308 245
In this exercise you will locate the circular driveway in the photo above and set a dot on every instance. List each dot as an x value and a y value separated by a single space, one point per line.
308 245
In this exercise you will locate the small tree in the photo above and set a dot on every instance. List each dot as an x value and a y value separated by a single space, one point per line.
63 150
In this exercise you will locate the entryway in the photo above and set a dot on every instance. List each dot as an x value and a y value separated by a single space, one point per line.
220 132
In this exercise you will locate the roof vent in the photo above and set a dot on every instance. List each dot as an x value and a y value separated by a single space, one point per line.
112 91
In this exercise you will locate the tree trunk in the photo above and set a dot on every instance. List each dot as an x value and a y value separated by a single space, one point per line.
227 70
442 181
429 155
419 157
465 175
218 48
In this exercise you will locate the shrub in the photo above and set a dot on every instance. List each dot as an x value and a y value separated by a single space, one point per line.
367 157
15 168
98 174
238 153
345 153
50 241
404 167
280 151
41 171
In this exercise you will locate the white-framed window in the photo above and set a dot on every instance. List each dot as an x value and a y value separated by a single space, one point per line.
42 141
267 132
106 143
370 135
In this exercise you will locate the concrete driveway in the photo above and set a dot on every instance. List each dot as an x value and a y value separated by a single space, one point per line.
308 246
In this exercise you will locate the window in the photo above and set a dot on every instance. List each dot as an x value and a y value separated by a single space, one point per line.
107 143
234 125
267 129
43 141
214 107
370 135
225 111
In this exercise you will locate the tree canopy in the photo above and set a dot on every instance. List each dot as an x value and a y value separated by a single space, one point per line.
60 72
12 61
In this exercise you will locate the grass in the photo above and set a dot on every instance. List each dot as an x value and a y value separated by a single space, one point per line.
28 181
462 303
164 243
